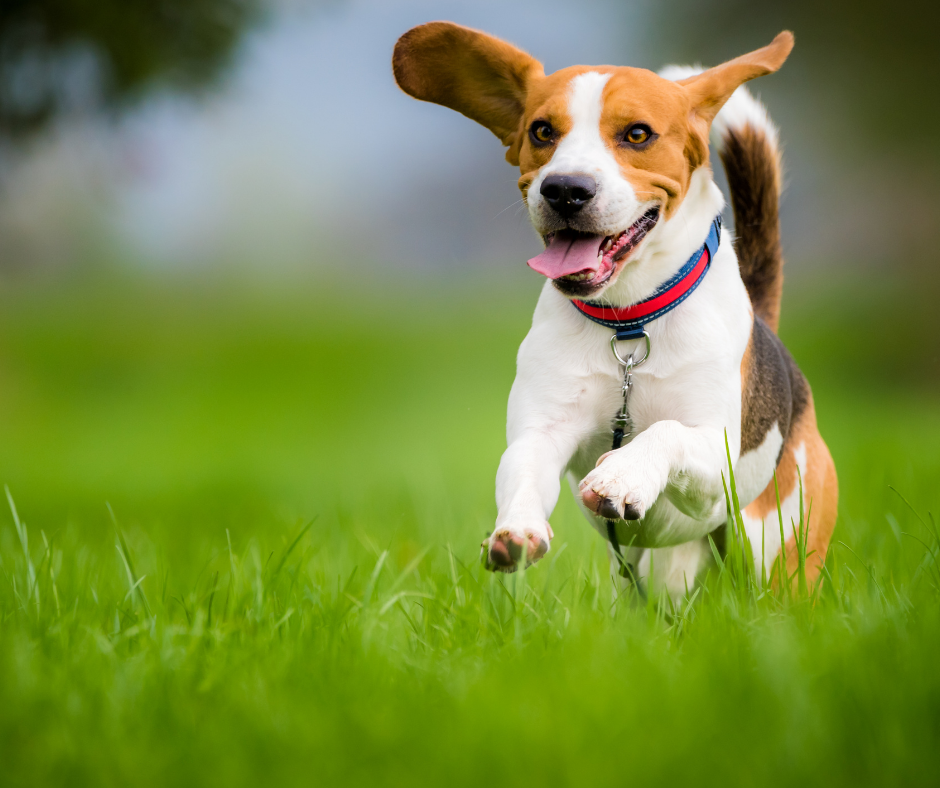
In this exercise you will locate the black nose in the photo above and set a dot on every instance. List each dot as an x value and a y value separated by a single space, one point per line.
568 194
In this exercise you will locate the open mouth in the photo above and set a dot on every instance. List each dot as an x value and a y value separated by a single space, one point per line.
580 262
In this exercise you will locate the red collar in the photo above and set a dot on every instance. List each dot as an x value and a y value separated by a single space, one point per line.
630 321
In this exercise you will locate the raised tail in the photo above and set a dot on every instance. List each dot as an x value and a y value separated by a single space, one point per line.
749 149
748 145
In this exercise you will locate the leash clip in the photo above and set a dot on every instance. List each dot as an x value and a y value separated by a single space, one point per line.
622 418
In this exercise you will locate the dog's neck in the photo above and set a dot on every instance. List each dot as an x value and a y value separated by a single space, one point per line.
670 244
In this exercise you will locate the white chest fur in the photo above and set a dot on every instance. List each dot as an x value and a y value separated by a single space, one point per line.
686 397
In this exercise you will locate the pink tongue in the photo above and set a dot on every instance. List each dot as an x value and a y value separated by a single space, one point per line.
568 254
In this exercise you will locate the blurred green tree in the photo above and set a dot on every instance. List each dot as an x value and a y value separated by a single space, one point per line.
58 56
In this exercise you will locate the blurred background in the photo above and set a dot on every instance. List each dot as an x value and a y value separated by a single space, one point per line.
193 191
268 135
247 286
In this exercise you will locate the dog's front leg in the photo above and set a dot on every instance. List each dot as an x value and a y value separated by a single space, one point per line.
549 416
684 462
527 485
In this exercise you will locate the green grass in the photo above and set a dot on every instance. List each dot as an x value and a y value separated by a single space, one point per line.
248 555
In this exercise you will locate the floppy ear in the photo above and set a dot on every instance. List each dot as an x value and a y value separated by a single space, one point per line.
711 89
476 74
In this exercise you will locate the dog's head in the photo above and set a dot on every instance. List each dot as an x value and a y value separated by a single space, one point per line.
606 153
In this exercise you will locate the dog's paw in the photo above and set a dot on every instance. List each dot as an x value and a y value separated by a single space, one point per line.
620 488
503 550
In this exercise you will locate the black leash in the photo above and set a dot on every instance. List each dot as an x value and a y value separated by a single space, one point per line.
622 425
626 568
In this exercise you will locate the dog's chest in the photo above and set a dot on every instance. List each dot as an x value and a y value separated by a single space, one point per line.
651 399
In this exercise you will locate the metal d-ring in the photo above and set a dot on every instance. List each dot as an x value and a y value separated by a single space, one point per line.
631 362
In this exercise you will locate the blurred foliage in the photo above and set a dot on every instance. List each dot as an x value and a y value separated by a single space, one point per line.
57 55
878 62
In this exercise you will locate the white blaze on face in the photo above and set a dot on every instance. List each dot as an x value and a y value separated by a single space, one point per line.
583 151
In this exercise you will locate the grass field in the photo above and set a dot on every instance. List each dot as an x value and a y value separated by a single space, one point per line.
248 555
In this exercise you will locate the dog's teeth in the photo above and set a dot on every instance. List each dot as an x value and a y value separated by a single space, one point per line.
587 276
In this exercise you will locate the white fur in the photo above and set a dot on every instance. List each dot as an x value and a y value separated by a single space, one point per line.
766 534
674 72
756 468
685 398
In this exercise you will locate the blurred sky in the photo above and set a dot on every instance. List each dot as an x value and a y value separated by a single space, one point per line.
307 156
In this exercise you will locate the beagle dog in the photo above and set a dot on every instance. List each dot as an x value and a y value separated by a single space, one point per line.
653 356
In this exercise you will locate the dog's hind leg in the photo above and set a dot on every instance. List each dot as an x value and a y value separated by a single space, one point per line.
673 570
805 460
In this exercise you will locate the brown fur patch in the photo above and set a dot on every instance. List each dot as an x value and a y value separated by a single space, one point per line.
476 74
764 507
753 167
773 390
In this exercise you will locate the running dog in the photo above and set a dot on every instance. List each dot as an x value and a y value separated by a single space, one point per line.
655 332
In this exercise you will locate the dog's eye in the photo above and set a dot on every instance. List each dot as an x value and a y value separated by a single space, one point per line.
541 132
638 134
